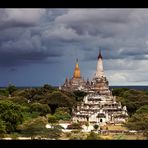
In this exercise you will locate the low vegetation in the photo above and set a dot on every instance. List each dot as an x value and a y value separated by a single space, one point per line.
137 106
26 112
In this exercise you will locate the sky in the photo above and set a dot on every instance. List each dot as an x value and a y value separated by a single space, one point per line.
40 46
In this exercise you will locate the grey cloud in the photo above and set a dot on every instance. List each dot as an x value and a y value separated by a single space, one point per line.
31 36
20 17
109 29
25 49
52 14
22 42
24 58
12 70
95 21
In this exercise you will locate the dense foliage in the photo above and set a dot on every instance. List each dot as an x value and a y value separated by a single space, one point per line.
139 120
2 127
37 127
137 106
33 127
62 114
42 109
27 110
10 115
133 99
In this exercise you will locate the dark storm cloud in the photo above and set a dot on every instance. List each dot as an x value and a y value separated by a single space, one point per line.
38 36
21 40
19 58
12 70
109 29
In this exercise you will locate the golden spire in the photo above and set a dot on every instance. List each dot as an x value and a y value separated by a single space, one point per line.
77 73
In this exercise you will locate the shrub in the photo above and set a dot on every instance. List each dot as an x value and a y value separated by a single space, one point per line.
52 119
96 126
33 127
93 136
62 114
74 126
2 127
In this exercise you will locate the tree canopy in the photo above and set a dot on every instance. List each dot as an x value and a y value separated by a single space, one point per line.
58 99
11 114
133 99
11 88
139 120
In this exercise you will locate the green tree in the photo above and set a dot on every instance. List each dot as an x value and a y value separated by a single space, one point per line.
131 98
52 119
4 92
62 114
11 114
37 127
48 88
2 127
142 110
119 91
30 93
19 92
11 88
139 120
43 109
58 99
18 100
34 127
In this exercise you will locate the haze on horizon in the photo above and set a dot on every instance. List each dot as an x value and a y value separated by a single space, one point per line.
40 46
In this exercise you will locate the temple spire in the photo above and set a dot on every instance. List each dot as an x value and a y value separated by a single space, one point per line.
77 73
99 56
99 69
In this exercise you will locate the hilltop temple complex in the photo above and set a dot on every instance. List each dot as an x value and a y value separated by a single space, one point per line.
99 106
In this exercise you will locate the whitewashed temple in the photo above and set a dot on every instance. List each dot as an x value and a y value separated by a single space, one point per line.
99 106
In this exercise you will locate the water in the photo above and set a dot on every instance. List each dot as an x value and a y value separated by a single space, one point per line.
130 87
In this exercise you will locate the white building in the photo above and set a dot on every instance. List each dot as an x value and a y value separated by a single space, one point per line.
100 106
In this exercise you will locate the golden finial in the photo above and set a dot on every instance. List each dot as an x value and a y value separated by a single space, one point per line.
77 73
